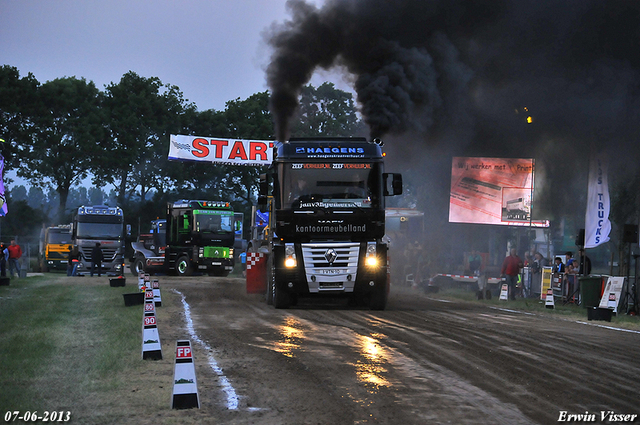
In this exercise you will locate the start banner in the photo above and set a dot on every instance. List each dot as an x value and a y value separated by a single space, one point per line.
223 151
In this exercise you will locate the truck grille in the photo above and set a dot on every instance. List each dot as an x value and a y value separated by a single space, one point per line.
216 252
331 266
107 255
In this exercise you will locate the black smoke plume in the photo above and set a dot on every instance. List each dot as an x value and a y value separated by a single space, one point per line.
433 65
541 79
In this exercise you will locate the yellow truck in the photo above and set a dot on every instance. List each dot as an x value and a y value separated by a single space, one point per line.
54 247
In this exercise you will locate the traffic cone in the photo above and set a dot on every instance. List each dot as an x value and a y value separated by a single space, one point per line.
185 386
504 292
549 301
155 286
151 347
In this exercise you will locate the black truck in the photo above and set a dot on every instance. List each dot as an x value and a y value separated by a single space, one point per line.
326 204
197 236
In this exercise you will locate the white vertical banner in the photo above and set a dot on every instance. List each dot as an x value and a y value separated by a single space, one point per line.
596 224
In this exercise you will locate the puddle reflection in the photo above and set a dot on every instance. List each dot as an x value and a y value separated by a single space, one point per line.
370 367
291 336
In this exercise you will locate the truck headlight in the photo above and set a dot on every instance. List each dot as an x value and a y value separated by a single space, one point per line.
371 259
290 256
201 252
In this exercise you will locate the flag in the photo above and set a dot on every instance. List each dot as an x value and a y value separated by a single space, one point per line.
596 224
3 198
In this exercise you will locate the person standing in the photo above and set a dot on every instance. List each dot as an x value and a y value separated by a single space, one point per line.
15 252
70 261
73 261
4 257
96 259
558 267
585 263
475 263
510 271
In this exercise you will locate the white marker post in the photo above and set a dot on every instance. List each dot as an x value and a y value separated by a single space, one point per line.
504 292
185 386
155 286
151 347
549 301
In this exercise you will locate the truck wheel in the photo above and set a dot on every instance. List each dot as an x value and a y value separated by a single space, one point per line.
137 266
183 266
270 285
379 297
281 297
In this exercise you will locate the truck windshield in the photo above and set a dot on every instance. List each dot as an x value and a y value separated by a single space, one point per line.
330 185
58 238
213 221
99 230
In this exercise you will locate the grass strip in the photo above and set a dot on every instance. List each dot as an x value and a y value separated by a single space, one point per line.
66 345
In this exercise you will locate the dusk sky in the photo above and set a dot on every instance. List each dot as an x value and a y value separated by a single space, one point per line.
213 50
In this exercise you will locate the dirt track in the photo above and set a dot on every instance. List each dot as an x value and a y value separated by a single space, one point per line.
421 361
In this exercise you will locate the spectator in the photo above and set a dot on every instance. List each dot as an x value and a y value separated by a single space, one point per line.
96 259
570 260
585 263
475 263
570 270
510 271
4 257
558 267
74 260
15 252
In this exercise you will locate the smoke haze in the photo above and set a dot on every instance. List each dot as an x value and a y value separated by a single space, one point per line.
460 77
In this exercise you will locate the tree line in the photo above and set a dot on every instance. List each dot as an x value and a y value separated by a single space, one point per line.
62 132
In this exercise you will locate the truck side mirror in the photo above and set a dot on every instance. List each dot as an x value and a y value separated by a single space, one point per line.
396 184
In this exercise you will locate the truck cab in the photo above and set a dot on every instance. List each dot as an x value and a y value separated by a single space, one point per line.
327 216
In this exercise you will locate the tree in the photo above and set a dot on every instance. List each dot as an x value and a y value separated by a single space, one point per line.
143 112
17 100
68 126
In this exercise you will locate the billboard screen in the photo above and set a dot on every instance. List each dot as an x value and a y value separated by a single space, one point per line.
492 191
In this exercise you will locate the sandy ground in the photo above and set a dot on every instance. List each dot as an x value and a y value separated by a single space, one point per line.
421 361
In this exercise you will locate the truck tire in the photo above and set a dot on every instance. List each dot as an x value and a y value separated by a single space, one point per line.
183 266
270 279
281 297
379 295
137 266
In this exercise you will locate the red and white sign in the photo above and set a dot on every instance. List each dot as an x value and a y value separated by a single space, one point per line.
183 352
150 320
225 151
150 307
